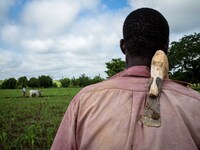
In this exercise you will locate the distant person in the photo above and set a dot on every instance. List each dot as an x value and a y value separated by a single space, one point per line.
24 91
107 115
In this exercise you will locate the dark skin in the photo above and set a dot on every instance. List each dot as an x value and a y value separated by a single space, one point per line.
135 60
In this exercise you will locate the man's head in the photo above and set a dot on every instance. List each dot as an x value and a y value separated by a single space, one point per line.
145 31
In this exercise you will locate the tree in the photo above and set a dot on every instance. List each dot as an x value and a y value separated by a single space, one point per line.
33 82
45 81
97 79
115 66
10 83
65 82
74 82
54 85
22 81
184 58
83 80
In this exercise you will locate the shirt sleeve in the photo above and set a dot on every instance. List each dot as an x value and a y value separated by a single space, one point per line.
65 138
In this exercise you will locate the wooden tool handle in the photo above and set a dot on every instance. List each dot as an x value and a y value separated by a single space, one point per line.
159 71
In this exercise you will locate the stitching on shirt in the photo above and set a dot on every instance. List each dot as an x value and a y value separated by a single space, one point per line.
107 88
114 89
185 94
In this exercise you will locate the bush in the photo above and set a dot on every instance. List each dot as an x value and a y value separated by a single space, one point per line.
65 82
22 82
45 81
10 83
33 82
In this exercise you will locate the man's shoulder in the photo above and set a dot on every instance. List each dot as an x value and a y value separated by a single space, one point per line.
180 88
141 85
97 86
119 83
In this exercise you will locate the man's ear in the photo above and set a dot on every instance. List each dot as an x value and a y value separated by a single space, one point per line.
166 46
122 46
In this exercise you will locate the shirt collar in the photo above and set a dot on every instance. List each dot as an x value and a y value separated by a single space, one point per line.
135 71
141 71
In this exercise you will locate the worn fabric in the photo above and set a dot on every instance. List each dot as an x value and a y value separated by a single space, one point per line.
106 116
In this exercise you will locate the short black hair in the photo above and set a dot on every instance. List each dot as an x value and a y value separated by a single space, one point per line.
145 31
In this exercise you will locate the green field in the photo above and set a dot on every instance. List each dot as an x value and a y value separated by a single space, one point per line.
31 123
196 88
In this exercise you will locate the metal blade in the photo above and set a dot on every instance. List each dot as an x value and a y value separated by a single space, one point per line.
151 114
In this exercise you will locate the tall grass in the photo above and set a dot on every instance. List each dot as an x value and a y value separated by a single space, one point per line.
31 123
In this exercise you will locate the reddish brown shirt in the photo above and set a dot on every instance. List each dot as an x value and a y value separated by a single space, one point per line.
106 116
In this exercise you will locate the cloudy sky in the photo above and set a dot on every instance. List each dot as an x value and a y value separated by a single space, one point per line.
65 38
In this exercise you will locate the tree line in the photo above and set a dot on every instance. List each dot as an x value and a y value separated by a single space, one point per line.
45 81
184 63
41 81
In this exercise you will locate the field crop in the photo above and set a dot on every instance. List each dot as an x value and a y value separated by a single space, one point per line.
31 123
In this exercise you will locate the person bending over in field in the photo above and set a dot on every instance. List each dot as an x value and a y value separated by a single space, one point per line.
24 91
118 114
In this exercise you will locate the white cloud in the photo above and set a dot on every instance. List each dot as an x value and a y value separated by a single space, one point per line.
53 37
10 33
91 42
36 45
5 57
182 15
50 16
75 43
9 61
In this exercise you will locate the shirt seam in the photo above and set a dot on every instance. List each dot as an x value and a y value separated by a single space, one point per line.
113 89
182 94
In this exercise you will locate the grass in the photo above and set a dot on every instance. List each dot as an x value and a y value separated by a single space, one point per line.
196 88
31 123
